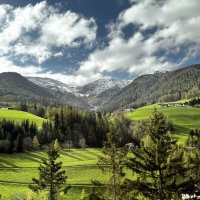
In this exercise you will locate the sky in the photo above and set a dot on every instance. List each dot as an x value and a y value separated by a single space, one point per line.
80 41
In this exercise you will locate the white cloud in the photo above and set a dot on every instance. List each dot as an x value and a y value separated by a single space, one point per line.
36 30
38 51
37 71
66 29
9 66
173 24
21 21
59 54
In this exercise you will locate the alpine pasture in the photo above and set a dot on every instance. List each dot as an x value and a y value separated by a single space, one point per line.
183 118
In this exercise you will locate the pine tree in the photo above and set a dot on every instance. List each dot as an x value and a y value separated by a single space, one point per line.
51 177
158 165
192 157
57 145
10 146
19 143
36 144
112 163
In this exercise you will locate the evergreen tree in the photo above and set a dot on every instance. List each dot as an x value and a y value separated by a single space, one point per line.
158 165
51 177
193 158
36 144
10 146
19 143
57 145
112 163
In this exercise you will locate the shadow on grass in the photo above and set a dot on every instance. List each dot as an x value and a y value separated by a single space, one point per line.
180 134
181 129
91 152
5 163
35 156
30 157
82 155
65 153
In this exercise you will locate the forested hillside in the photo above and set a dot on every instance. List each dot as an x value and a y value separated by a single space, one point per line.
16 88
158 87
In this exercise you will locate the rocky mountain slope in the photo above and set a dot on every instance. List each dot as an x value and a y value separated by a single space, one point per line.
99 92
53 85
63 92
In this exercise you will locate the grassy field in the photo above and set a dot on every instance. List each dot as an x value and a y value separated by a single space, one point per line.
17 170
183 119
19 116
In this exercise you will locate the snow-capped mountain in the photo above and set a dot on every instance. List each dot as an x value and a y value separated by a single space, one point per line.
91 95
101 91
65 93
53 85
97 87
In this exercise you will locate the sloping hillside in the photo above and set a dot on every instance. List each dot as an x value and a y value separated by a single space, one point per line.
158 87
14 87
183 118
19 116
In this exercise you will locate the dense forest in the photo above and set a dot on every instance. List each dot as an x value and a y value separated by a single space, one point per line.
71 126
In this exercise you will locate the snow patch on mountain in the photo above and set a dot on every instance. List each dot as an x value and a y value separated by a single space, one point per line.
97 87
53 84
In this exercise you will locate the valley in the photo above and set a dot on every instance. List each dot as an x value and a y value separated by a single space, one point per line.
78 118
99 100
106 95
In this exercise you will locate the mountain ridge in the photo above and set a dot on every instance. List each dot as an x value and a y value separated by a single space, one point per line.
104 94
158 87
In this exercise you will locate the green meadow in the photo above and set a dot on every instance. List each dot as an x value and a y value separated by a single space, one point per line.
17 171
183 118
19 116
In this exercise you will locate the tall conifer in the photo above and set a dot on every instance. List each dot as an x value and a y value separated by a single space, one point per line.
51 177
158 166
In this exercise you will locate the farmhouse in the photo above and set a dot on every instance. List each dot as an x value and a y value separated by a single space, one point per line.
128 109
181 105
164 105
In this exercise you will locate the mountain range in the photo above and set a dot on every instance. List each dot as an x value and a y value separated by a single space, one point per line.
89 96
103 94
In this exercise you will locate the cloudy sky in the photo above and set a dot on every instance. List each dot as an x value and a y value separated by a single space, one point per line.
79 41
